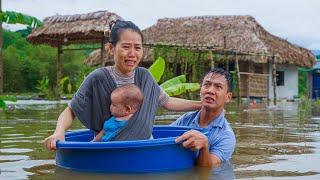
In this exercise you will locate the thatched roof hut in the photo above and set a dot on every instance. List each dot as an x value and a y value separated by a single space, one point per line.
61 30
73 29
243 33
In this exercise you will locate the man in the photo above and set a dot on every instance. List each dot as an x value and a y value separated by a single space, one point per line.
219 145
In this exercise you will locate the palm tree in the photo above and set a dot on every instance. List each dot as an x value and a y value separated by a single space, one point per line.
11 17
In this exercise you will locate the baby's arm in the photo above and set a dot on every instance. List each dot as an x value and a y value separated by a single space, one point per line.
99 136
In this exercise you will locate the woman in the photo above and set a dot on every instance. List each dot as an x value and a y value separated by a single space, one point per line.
91 102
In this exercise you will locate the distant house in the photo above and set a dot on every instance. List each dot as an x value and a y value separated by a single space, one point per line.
247 36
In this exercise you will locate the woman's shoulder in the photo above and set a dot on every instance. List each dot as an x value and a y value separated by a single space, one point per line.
98 73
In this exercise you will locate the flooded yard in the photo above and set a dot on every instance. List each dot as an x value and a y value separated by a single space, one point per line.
280 142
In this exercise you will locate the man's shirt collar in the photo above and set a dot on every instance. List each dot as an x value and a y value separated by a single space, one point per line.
217 122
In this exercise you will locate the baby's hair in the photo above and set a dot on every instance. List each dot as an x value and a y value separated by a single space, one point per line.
130 95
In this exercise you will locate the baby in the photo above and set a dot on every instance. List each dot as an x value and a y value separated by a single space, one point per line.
125 101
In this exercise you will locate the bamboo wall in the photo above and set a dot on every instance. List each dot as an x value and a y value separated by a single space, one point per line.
254 80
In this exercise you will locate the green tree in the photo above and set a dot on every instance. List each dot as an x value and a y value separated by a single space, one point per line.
13 63
11 17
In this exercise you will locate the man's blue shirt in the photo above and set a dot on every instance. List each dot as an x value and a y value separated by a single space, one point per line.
221 138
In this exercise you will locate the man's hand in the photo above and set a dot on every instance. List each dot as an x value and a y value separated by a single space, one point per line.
194 140
50 142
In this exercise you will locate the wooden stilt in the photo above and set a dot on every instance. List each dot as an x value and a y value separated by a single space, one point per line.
274 76
239 80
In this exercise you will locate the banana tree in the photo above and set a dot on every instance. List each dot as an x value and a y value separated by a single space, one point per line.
175 86
11 17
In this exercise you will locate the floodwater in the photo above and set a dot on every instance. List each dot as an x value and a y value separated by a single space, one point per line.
280 142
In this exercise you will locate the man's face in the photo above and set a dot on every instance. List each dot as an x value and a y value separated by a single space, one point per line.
214 92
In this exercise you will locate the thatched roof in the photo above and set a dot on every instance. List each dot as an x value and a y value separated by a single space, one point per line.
73 29
94 58
243 33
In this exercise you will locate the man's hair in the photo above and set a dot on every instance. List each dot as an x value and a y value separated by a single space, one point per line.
222 72
130 95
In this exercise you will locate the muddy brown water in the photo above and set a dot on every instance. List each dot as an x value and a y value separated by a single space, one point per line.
280 142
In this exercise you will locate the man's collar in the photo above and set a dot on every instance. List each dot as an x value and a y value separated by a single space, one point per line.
217 122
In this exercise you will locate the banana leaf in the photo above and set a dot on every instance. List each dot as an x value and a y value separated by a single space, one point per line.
174 81
157 69
11 17
192 86
181 88
2 104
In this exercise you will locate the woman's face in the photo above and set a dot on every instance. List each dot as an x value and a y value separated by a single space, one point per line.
128 51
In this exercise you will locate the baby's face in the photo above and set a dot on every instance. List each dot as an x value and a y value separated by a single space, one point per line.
117 108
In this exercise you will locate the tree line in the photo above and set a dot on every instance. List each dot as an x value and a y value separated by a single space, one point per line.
28 68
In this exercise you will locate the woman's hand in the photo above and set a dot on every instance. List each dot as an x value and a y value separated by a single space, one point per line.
50 142
64 122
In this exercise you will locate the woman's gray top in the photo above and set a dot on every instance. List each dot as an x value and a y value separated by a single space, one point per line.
91 103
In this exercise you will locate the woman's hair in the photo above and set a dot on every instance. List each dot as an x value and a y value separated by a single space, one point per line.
117 27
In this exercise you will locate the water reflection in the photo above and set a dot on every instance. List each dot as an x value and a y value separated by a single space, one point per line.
223 172
282 141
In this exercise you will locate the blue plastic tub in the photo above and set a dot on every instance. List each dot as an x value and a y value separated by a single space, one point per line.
154 155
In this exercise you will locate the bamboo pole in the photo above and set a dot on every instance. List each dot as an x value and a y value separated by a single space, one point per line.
239 80
58 69
274 74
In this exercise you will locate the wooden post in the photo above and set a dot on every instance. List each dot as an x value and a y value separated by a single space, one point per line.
175 62
225 53
227 64
274 74
103 52
211 59
239 80
58 69
248 80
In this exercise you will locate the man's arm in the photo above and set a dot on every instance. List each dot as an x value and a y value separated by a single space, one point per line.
64 122
207 159
195 140
178 104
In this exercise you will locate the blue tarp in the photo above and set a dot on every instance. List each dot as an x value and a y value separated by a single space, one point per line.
316 67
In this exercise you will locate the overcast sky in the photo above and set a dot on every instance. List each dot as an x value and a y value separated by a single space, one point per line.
298 21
